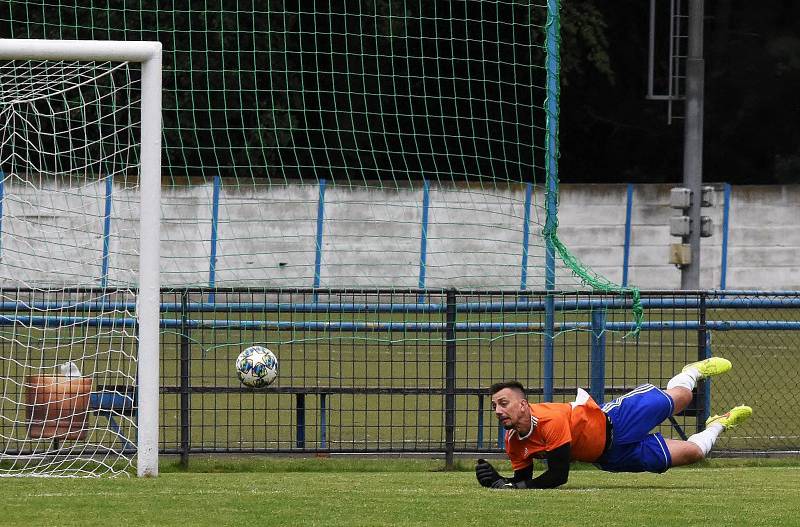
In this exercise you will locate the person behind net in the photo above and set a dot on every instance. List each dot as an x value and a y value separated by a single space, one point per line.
615 437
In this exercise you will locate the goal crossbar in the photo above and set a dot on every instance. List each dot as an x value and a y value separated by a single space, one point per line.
110 50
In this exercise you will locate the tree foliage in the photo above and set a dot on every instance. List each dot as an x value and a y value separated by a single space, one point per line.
610 132
262 85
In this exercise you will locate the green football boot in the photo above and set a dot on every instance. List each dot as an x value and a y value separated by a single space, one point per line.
733 418
709 367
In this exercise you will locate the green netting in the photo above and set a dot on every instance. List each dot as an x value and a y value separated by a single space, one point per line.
67 130
395 148
379 143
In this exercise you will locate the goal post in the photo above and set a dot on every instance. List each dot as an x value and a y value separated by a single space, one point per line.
147 288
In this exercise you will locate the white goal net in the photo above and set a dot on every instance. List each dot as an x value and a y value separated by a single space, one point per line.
78 229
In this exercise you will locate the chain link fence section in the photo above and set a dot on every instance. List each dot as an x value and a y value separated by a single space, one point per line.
408 372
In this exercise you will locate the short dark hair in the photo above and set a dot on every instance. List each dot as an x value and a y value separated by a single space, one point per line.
514 385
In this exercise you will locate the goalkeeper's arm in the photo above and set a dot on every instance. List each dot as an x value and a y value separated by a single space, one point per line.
556 474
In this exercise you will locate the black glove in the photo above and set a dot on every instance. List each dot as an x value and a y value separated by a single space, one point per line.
486 474
505 484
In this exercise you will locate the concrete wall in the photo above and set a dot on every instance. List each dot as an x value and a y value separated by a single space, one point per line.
763 239
371 237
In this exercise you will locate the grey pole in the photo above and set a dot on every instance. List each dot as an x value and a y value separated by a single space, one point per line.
693 139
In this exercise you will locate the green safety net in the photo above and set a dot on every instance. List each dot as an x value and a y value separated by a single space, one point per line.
367 145
373 143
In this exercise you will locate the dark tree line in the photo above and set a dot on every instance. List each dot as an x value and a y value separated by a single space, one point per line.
399 90
752 100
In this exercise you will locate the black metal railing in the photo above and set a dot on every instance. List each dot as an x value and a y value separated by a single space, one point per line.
407 371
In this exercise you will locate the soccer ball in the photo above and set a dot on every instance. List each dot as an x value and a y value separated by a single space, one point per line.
257 367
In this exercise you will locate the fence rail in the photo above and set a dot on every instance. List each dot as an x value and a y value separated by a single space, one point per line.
373 371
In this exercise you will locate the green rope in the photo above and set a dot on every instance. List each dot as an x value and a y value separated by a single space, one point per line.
599 283
552 153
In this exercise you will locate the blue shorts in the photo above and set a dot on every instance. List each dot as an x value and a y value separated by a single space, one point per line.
633 415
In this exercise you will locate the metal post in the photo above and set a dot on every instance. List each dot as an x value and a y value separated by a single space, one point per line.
702 350
480 421
548 352
301 420
553 44
598 359
323 420
726 215
627 247
673 86
651 49
526 228
705 410
185 380
106 231
2 199
148 295
318 239
693 139
423 239
450 380
212 264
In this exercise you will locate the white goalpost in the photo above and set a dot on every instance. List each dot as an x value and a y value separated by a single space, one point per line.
80 193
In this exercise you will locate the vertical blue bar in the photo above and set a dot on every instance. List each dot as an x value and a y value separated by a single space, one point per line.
323 420
480 421
551 166
318 242
598 359
212 260
706 409
106 230
501 436
526 230
626 251
726 209
423 239
2 198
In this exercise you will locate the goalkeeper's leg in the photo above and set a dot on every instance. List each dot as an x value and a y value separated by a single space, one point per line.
684 452
697 446
680 386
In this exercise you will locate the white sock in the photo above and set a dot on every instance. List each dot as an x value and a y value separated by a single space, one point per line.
687 379
706 439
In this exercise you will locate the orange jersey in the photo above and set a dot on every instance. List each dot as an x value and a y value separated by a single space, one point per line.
582 424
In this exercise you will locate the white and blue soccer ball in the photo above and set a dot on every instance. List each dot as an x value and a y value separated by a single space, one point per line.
257 367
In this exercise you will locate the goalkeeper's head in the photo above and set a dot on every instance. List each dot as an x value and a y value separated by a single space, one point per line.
510 405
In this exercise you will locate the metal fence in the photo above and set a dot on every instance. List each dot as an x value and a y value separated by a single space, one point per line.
408 371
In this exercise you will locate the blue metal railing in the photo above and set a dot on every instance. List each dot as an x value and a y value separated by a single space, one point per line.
447 329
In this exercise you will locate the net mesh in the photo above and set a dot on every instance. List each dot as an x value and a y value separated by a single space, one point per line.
384 144
68 151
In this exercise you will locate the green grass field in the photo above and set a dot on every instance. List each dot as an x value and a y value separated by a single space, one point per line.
347 492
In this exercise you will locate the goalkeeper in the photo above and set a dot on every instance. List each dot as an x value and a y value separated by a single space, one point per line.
615 437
